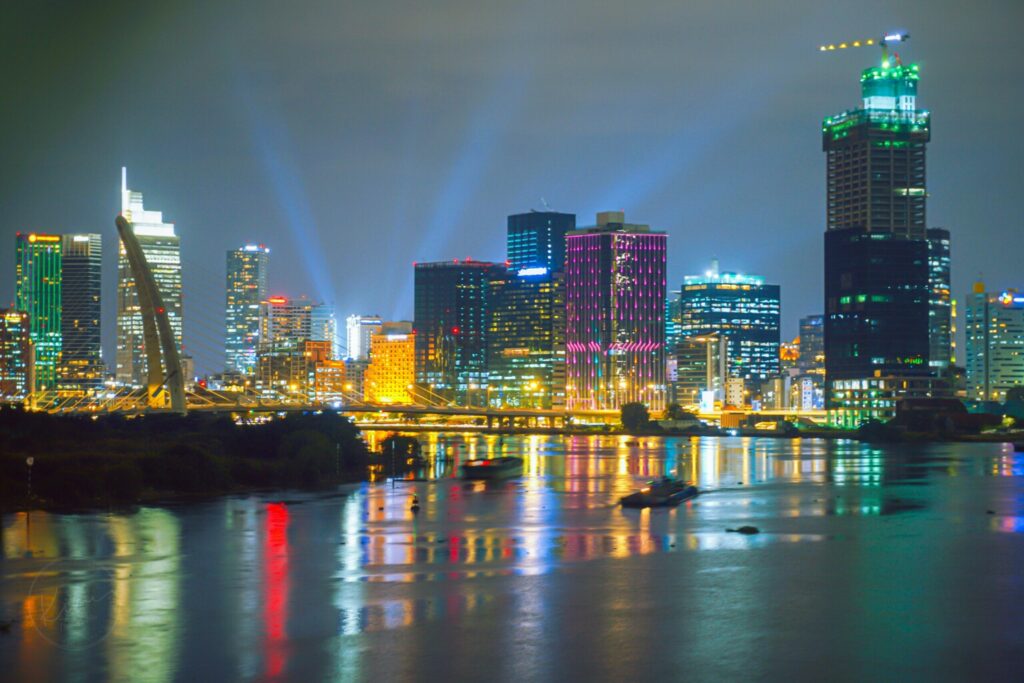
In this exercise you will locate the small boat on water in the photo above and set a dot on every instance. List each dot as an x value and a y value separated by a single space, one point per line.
492 468
664 492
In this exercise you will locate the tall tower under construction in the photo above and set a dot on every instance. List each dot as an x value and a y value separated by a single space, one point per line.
876 248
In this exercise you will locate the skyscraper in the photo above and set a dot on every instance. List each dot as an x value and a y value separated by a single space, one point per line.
162 249
38 291
876 253
81 367
359 329
246 287
452 306
742 309
940 305
615 315
526 340
994 352
536 240
17 358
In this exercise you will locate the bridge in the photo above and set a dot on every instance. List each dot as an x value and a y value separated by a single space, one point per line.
165 389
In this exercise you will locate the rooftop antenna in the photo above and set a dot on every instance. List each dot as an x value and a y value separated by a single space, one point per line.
544 203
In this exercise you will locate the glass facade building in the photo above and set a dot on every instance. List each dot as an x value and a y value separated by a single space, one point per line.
940 304
162 249
536 240
876 249
359 329
526 340
741 308
453 300
81 368
246 287
615 315
994 350
17 358
38 292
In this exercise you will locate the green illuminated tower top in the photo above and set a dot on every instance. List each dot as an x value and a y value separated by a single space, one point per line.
876 154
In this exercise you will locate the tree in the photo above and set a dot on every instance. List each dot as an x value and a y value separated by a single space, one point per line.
676 412
635 417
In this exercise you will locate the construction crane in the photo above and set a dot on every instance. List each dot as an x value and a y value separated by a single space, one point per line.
884 42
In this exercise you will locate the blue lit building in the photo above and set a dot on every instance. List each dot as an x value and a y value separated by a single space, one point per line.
537 240
741 308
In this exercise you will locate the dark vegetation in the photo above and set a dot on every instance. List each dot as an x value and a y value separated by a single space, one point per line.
79 461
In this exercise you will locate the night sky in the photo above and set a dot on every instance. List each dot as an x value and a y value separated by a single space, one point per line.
354 138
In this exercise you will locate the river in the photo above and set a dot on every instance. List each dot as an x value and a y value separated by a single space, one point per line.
897 562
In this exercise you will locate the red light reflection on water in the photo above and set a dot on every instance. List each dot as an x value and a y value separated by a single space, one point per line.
275 587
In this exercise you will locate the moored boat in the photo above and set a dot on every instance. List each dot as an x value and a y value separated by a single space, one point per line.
665 492
492 468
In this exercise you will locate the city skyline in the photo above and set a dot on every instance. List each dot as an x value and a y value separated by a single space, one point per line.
243 160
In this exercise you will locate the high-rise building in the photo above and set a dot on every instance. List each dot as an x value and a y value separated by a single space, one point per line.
812 345
246 287
17 357
526 339
162 249
452 305
391 373
324 327
536 240
940 304
994 352
876 252
741 308
38 292
615 315
701 370
284 324
359 329
81 369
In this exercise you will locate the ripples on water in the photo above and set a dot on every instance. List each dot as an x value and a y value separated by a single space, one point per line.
128 594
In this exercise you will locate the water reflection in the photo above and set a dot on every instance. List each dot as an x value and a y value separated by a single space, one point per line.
254 582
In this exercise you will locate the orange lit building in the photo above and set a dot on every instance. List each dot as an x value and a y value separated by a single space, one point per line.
392 369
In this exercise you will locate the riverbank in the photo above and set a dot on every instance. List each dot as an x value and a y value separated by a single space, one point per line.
66 463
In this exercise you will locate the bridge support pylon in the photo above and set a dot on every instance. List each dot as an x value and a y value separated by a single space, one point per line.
162 359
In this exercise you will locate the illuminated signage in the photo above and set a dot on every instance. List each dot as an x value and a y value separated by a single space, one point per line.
43 238
278 300
528 272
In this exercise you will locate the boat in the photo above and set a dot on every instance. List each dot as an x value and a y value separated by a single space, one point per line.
492 468
665 492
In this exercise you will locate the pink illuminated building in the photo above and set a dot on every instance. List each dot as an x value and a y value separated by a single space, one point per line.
615 315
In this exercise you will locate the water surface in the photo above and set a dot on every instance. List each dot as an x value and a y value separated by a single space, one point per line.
873 563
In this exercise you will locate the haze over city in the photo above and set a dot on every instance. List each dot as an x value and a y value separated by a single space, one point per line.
354 139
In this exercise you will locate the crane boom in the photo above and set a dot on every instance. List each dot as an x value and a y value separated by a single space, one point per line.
884 42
